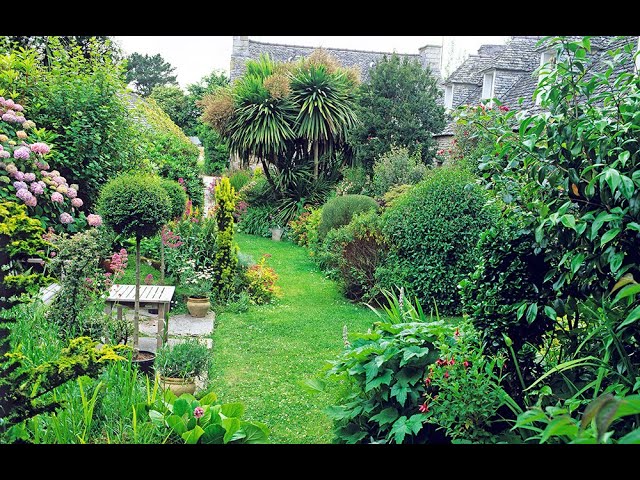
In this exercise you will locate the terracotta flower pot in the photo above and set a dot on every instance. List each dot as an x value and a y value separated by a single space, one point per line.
198 307
276 234
178 385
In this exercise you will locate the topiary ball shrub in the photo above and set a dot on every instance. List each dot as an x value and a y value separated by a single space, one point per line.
432 232
177 197
134 205
339 211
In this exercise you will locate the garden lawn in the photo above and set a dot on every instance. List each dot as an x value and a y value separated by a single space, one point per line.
260 356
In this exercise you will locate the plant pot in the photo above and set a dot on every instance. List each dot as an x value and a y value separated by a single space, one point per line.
276 234
178 385
144 360
198 307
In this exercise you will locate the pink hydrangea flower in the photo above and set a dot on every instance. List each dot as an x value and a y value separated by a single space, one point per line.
19 176
94 220
59 180
18 108
42 165
21 134
31 201
41 148
19 185
21 152
20 119
8 117
198 412
24 194
77 202
37 188
66 218
29 177
57 198
4 154
71 192
9 103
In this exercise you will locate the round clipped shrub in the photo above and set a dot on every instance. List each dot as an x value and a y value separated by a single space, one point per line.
177 197
339 211
397 167
134 205
433 231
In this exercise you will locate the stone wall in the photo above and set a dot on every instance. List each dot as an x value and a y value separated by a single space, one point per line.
244 49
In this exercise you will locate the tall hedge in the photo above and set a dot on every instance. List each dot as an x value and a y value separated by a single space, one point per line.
226 258
433 233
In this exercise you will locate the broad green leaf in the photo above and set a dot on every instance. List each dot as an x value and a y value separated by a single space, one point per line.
416 422
388 415
231 426
371 370
177 424
612 177
626 279
313 385
156 417
550 312
616 262
568 221
213 434
338 412
400 392
632 317
632 437
209 399
593 408
521 310
254 433
383 379
608 236
563 425
626 292
577 262
532 313
231 410
627 187
633 226
413 351
399 430
181 406
529 417
191 437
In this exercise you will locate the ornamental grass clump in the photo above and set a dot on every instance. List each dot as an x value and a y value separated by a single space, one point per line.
135 205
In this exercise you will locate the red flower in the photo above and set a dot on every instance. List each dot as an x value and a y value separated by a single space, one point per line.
466 364
441 362
427 381
424 408
452 362
446 374
457 333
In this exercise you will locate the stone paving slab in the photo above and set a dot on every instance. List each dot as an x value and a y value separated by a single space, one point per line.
178 324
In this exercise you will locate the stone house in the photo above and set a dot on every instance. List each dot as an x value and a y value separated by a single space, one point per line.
509 73
245 49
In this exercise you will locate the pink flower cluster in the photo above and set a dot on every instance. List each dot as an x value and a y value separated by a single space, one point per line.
119 261
170 239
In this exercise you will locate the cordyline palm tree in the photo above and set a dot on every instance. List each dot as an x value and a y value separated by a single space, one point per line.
326 107
261 125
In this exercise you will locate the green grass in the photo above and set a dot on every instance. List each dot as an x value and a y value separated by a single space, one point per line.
129 277
261 355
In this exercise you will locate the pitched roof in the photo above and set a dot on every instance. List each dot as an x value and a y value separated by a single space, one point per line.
520 53
469 71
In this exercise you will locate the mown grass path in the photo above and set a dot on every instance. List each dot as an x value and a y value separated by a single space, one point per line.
261 355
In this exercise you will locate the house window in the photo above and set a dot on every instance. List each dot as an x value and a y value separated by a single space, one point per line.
448 96
487 85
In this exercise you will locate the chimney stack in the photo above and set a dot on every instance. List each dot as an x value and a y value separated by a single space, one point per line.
431 55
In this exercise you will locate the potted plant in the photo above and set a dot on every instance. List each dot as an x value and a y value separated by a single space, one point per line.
178 365
198 297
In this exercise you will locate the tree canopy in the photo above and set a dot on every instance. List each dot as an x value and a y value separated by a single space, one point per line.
397 106
147 72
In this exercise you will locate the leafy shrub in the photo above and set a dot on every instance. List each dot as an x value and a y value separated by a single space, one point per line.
397 167
134 205
239 178
355 181
261 282
81 100
177 197
26 175
301 227
394 195
186 359
338 211
226 256
506 294
353 253
21 238
190 238
463 394
257 220
166 147
202 421
385 370
432 233
216 153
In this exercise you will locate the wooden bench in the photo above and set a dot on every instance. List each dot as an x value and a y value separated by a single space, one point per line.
159 296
